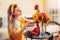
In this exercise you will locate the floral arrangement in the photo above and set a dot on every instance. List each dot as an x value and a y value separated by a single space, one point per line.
39 18
42 17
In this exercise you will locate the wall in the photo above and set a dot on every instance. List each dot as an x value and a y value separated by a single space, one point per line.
27 7
58 7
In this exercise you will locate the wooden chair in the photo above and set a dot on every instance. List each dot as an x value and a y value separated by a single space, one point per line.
53 27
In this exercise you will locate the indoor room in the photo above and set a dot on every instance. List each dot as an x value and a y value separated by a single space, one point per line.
30 19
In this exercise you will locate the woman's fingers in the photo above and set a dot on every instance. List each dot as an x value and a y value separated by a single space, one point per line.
26 24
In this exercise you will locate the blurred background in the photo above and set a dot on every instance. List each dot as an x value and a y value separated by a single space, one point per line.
50 7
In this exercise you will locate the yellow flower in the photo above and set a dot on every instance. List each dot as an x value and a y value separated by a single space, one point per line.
35 17
40 18
48 20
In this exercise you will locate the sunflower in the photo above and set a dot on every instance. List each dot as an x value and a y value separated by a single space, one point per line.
40 18
35 17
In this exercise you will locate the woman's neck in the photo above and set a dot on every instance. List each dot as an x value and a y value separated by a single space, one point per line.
16 17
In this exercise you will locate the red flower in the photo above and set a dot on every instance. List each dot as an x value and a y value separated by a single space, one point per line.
36 7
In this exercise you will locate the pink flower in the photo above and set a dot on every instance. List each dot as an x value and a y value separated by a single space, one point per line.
44 15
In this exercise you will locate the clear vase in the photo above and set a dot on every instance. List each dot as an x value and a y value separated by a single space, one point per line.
43 28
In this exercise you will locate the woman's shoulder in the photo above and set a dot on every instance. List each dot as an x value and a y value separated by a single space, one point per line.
22 19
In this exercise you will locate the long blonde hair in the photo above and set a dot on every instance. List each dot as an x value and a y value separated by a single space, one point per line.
11 20
11 10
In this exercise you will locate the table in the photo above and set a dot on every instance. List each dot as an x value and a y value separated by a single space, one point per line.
44 36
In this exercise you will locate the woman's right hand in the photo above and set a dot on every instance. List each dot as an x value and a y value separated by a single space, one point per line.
26 24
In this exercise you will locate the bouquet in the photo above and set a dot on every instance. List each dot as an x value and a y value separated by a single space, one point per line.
43 19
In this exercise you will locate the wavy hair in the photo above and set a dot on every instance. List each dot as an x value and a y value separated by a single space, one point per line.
10 15
11 20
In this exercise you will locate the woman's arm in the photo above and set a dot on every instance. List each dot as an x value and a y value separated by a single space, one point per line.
31 24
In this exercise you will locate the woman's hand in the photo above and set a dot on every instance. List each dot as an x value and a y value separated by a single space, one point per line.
30 24
26 24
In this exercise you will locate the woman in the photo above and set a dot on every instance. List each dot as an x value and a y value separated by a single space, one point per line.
16 23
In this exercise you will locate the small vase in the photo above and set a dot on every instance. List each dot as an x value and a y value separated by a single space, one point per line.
43 29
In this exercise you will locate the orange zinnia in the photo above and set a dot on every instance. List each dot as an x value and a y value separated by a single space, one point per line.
48 20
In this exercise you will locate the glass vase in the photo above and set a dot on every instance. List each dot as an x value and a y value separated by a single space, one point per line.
43 28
